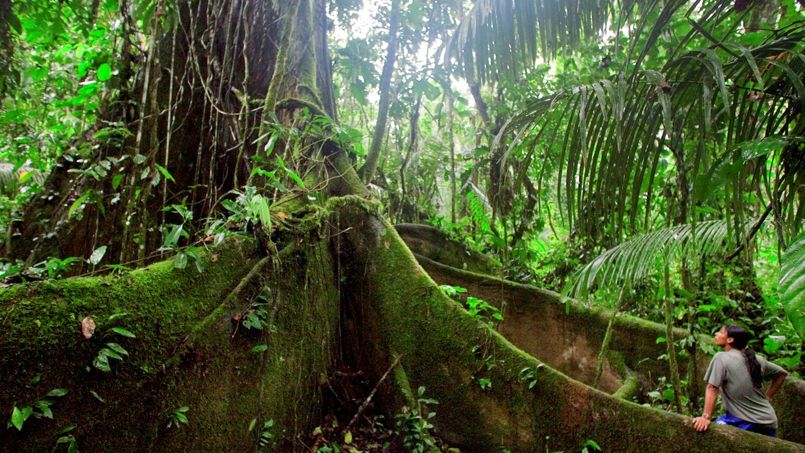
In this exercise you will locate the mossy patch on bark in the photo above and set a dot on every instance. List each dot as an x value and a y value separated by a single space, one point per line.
180 356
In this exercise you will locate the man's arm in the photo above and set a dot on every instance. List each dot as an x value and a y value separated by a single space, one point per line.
776 383
710 396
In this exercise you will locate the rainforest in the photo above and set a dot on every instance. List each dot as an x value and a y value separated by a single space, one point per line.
399 226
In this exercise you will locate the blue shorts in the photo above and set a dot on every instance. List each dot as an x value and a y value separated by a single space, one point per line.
728 419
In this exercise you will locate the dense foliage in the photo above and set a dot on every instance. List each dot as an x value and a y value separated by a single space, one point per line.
663 138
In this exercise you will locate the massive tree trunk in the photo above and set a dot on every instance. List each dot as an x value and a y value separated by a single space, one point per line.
343 289
191 111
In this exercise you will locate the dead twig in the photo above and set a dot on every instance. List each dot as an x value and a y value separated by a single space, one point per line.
751 234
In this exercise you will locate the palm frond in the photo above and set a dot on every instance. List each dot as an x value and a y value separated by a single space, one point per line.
791 285
502 37
12 177
705 107
634 260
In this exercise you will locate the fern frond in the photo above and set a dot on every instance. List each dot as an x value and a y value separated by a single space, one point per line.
478 212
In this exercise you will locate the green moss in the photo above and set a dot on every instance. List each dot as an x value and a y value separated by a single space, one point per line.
629 388
214 373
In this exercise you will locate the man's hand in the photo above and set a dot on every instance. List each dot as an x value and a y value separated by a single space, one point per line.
701 424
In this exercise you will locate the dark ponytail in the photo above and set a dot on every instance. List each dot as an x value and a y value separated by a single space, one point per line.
740 338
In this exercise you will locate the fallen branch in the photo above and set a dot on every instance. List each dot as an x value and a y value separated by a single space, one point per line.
368 399
256 270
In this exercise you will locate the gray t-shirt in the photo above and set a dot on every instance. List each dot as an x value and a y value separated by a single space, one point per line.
728 371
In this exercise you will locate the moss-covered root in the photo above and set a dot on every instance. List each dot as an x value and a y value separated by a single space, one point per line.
188 352
538 322
789 403
482 381
433 243
568 336
629 388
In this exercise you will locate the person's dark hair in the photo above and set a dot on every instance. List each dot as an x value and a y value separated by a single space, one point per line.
740 338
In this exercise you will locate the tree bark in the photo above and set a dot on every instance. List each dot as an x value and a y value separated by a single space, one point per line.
368 170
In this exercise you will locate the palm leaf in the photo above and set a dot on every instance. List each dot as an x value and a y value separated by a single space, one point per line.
499 38
634 260
12 177
712 112
791 285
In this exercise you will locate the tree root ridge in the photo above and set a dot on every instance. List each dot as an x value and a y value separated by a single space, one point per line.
352 293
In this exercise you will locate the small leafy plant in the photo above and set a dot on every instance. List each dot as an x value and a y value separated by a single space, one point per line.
39 409
257 317
266 437
414 425
179 417
67 442
529 376
112 350
52 268
483 311
478 308
590 446
173 234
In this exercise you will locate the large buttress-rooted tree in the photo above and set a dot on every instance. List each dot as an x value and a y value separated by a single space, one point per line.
191 124
220 79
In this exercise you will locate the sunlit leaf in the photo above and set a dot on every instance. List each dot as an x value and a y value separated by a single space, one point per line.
104 72
97 255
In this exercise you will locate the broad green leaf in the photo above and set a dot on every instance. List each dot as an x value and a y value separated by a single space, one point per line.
119 314
260 348
180 261
18 416
792 284
78 202
261 210
270 145
44 409
57 392
116 180
123 332
296 178
110 354
117 348
165 173
101 362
